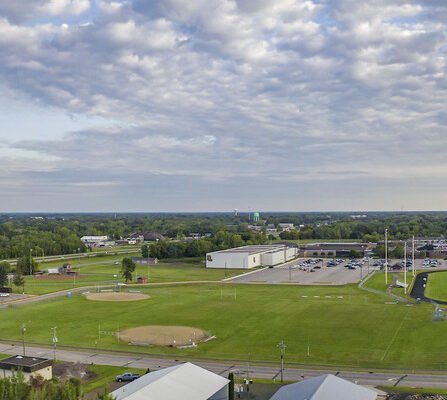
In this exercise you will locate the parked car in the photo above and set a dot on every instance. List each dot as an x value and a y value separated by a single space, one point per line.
127 377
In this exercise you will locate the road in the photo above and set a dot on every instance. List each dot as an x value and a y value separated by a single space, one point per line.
271 371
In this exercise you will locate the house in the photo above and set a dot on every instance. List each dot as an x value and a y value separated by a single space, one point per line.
141 237
184 381
324 387
30 367
286 227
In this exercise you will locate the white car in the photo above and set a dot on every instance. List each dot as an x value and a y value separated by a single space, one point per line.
4 294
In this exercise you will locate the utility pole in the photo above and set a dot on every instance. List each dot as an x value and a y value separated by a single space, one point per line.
23 337
55 340
386 256
282 348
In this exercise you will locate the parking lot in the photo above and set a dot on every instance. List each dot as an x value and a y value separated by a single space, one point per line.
302 272
311 274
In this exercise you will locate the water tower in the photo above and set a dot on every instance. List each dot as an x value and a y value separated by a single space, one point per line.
256 216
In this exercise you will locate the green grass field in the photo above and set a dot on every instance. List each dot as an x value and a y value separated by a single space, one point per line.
437 286
350 327
106 271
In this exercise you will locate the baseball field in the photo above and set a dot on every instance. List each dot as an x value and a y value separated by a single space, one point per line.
320 325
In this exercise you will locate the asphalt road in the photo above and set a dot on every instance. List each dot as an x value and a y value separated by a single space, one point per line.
223 368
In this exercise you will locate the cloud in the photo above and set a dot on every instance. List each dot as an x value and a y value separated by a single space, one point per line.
208 93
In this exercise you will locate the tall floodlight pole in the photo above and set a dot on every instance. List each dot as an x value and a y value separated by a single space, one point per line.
30 261
405 268
386 256
23 337
412 256
282 348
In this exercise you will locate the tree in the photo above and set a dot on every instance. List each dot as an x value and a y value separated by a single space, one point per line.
3 276
19 280
26 264
145 251
127 268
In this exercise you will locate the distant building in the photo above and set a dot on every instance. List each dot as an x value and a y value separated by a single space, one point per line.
251 256
90 240
285 227
325 387
149 236
185 381
30 367
337 249
145 260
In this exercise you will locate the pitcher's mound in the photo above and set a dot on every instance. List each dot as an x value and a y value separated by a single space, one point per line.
117 296
157 335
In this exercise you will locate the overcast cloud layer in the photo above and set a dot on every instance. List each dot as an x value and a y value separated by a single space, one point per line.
214 105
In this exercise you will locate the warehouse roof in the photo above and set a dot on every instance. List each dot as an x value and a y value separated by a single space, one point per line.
254 249
185 381
324 387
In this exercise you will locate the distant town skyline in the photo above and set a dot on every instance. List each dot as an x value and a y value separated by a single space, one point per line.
175 105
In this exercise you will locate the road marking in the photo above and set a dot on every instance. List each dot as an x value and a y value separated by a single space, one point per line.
328 297
304 296
316 296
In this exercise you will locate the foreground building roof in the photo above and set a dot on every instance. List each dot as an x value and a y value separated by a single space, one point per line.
325 387
185 381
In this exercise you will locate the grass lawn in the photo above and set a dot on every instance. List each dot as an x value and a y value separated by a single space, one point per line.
437 286
106 374
377 282
107 272
351 327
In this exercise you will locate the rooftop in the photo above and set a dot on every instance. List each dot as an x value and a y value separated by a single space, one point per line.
324 387
27 364
253 249
185 381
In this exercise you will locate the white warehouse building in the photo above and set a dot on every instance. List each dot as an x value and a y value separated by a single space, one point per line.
251 256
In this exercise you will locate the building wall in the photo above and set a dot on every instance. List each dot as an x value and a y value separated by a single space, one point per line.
222 394
277 257
228 260
46 373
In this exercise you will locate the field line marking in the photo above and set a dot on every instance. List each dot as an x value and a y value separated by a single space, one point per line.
395 335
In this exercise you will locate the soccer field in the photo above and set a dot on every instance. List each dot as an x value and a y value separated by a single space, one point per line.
320 325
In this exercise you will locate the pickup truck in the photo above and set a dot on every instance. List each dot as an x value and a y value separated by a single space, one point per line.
127 377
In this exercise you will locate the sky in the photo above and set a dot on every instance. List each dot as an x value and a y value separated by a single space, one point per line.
202 105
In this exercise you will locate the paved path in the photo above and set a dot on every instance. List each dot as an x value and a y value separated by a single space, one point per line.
269 371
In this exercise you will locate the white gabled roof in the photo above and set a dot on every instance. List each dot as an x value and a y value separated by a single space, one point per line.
325 387
185 381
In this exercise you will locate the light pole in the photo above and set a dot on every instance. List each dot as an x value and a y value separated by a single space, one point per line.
282 348
405 268
412 256
386 256
30 261
55 340
23 337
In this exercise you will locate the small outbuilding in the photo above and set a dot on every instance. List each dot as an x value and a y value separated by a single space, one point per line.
30 367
